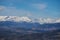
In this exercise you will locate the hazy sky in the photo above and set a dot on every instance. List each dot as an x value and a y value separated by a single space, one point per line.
31 8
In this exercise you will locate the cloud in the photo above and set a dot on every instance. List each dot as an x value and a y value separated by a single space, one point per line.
2 8
40 6
29 14
13 11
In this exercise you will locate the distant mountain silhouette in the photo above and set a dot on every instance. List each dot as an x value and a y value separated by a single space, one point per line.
29 25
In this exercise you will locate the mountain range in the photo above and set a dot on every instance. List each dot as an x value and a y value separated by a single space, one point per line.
28 19
25 28
28 23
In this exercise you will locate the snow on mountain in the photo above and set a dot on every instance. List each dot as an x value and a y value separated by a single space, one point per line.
58 20
14 18
2 18
48 20
27 19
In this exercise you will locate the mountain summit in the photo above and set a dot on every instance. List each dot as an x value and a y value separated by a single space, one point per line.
27 19
14 18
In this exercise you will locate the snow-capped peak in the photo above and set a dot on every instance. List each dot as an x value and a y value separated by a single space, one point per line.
2 18
14 18
58 20
27 19
48 20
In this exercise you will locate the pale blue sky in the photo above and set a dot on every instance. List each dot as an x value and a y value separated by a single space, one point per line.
31 8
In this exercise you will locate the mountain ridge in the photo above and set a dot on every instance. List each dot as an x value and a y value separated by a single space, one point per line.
27 19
